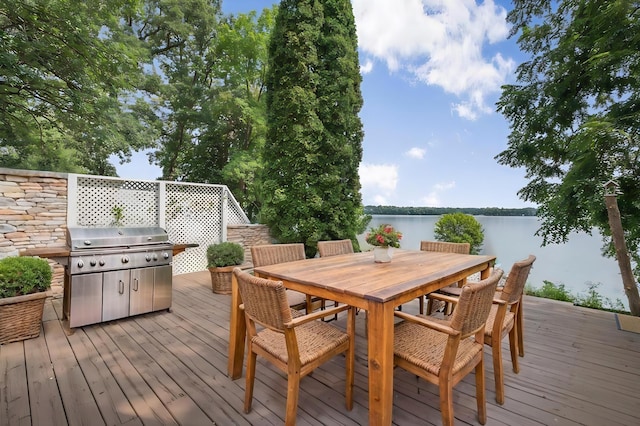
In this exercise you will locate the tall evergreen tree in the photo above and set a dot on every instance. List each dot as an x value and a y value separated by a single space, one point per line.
314 135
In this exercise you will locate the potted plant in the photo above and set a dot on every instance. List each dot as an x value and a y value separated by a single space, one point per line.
221 259
383 238
24 282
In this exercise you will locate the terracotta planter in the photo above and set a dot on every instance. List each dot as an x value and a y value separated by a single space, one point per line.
221 279
21 317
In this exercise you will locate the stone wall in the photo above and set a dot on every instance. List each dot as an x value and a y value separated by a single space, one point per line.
248 235
33 214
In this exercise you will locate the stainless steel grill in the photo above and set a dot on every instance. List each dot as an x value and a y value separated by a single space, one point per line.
116 272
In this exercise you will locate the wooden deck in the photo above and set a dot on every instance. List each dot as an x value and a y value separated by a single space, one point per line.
170 368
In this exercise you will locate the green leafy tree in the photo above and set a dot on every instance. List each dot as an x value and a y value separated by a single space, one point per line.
314 135
64 66
574 115
460 228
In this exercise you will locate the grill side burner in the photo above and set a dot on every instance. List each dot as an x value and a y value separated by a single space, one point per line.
116 272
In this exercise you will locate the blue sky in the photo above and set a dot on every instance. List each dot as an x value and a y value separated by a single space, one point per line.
432 71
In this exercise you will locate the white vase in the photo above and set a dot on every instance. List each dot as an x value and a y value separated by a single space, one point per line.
382 254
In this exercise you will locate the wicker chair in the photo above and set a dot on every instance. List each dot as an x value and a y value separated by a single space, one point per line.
293 343
444 352
270 254
335 248
442 247
505 318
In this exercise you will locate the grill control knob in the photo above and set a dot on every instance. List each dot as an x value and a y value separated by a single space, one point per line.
101 262
165 255
155 256
80 263
125 259
148 258
92 262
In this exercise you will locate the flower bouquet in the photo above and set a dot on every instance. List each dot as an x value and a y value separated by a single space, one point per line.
383 238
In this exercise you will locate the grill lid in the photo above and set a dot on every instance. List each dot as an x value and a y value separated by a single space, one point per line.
86 238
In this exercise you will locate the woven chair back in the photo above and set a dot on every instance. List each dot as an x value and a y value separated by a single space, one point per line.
271 254
474 304
517 279
445 247
265 301
334 247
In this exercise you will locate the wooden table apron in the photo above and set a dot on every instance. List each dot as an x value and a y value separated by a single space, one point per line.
379 288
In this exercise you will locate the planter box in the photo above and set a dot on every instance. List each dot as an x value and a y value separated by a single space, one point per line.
221 277
21 317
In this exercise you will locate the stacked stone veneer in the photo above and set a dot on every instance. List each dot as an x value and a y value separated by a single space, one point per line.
33 214
248 235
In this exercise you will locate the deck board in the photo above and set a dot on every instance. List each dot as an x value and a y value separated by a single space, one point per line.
169 367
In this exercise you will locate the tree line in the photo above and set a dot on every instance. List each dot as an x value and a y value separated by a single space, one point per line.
427 211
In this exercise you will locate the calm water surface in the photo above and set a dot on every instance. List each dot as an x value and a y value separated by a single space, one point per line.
511 238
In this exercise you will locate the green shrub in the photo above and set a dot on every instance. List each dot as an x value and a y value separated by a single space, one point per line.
592 299
23 275
550 291
224 254
460 228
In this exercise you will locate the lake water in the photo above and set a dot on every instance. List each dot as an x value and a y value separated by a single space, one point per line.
511 238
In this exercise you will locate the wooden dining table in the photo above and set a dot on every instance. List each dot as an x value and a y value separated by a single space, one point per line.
356 280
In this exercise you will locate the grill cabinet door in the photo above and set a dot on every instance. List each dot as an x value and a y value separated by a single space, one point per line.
84 301
141 291
162 289
115 295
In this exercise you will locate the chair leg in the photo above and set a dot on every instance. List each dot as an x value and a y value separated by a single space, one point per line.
293 392
251 374
497 369
481 398
421 299
429 305
446 403
520 325
513 347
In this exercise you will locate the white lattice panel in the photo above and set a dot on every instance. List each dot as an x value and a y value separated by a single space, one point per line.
98 199
193 213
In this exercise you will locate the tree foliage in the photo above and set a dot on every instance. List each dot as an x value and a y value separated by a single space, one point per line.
575 114
314 134
460 228
64 66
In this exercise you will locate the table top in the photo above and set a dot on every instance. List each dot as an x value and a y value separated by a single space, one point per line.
410 273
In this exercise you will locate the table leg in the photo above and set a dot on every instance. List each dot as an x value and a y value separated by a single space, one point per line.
237 332
380 350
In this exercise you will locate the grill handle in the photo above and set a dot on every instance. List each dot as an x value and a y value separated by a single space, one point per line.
135 284
121 289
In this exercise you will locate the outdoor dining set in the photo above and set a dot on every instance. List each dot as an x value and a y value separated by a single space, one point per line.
274 311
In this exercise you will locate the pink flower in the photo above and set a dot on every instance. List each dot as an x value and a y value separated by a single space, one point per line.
380 239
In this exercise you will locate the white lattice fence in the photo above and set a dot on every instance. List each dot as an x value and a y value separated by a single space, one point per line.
190 213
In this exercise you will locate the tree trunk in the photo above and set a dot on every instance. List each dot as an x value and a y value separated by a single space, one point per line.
622 255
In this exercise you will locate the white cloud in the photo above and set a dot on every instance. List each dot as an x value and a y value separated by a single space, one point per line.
378 181
417 153
440 43
434 199
366 67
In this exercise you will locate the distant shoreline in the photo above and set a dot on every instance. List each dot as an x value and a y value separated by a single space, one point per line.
436 211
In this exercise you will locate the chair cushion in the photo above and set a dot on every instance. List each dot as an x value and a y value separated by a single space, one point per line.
315 339
425 347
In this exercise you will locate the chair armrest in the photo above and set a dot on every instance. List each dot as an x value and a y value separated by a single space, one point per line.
317 315
424 321
499 302
443 297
